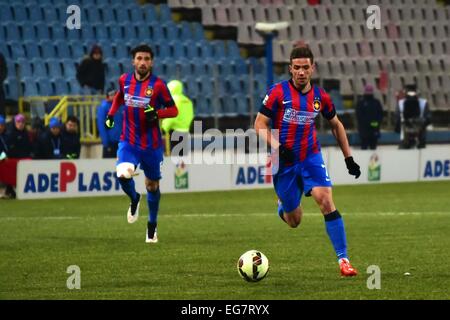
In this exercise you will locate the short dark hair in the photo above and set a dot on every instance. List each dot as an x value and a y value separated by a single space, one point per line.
142 48
302 52
73 119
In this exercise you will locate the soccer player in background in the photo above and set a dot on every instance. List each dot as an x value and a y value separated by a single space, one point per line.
147 99
291 107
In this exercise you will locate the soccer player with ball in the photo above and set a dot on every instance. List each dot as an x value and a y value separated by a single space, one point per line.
290 108
147 99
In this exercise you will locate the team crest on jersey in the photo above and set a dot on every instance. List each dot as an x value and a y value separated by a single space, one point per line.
316 104
149 92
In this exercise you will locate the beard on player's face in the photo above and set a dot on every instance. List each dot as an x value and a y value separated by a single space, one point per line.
143 70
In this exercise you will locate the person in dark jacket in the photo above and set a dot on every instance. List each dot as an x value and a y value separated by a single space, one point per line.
3 75
3 145
91 71
369 114
50 141
19 145
71 145
110 138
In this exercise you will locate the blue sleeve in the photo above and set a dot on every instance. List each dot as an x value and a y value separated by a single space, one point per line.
102 110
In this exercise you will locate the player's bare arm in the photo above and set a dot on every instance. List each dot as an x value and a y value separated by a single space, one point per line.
262 127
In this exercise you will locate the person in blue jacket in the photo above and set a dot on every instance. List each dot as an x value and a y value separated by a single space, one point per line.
110 138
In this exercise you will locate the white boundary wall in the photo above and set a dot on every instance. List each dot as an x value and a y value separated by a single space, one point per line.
61 179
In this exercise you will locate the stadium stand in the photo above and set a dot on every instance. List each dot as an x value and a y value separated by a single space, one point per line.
413 45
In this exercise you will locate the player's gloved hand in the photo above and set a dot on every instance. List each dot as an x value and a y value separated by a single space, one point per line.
353 167
286 154
151 116
109 123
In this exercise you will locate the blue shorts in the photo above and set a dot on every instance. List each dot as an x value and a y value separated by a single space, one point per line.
291 182
150 160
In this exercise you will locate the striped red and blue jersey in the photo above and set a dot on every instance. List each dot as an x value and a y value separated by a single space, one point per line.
293 113
136 95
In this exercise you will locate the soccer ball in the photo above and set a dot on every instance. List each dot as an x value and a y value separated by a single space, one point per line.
253 265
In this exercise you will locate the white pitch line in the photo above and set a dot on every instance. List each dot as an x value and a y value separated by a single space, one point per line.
213 215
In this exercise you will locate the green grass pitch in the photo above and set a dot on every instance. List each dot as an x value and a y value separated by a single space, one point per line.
398 227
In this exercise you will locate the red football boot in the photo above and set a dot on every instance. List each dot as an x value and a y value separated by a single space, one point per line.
346 268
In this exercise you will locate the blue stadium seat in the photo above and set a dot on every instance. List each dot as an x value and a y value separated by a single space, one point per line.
74 34
170 31
58 31
68 68
191 49
218 48
54 68
16 49
115 32
24 68
143 32
125 65
198 32
150 13
39 68
206 50
206 86
32 50
87 33
78 50
43 32
164 13
101 32
121 50
47 49
93 14
4 50
184 31
62 49
177 50
137 14
233 49
61 87
35 13
170 68
12 90
239 66
129 31
28 32
157 33
44 86
20 13
107 48
74 86
107 14
6 14
190 85
50 14
122 14
224 67
113 69
162 50
242 105
185 67
233 85
29 86
12 32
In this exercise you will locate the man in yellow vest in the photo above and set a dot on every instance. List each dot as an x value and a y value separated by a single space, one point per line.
182 122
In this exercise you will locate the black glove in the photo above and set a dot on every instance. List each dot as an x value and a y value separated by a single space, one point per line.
109 123
286 154
353 167
151 116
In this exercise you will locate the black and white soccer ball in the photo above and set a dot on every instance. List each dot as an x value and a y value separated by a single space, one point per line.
253 266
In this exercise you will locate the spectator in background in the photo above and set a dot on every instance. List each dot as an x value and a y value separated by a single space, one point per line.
19 145
3 145
91 72
412 118
111 137
71 145
3 75
369 114
49 142
37 128
182 122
